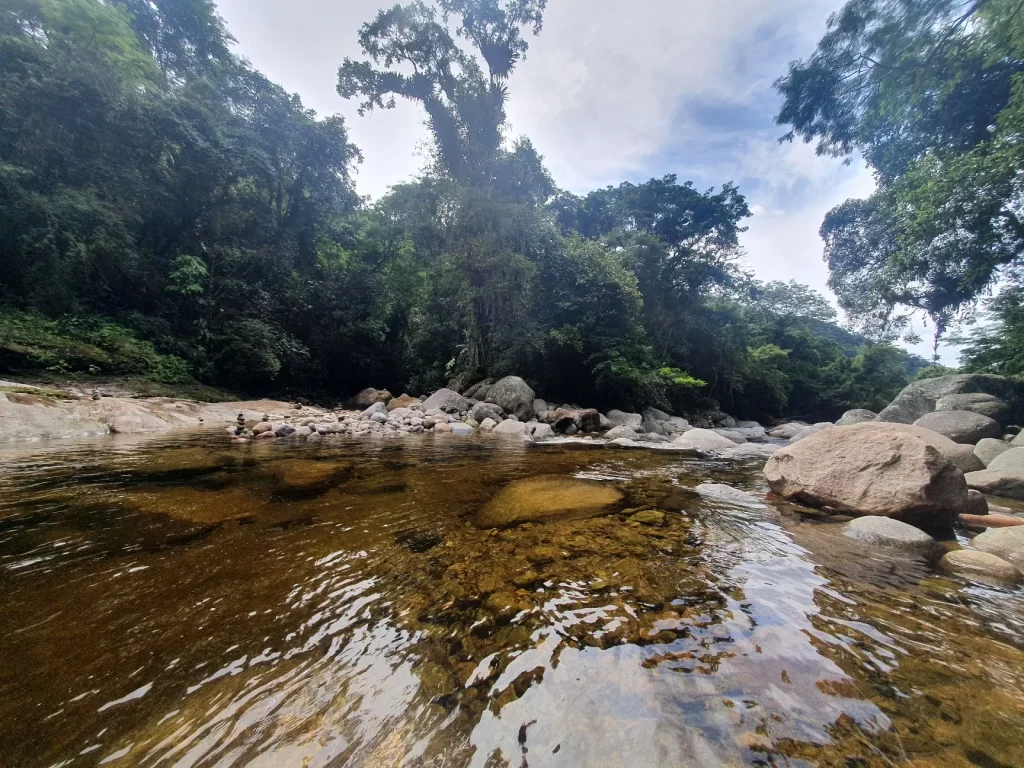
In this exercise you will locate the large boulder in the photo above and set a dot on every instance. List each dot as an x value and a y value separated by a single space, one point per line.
623 419
960 426
976 402
704 441
402 401
656 414
1007 543
987 449
514 428
582 419
482 411
886 532
368 397
479 390
446 400
871 469
513 395
856 416
786 431
1004 475
920 397
379 407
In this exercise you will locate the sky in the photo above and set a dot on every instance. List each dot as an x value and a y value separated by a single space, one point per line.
611 92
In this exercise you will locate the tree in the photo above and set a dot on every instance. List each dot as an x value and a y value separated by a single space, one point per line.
930 92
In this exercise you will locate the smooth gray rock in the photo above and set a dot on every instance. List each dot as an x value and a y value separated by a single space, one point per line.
1011 460
677 425
856 416
748 425
479 390
787 431
887 532
704 441
624 419
509 427
976 402
920 397
514 396
375 408
482 411
287 430
621 431
540 407
1009 484
730 434
981 566
656 414
1007 543
542 432
728 422
446 400
960 426
488 424
653 427
462 429
752 451
990 447
728 494
811 430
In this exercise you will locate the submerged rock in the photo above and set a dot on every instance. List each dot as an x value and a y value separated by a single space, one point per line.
887 532
548 497
871 469
727 494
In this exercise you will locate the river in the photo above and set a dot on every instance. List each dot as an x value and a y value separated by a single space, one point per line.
191 602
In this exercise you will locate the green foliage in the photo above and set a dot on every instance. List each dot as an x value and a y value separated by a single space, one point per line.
166 211
997 345
931 93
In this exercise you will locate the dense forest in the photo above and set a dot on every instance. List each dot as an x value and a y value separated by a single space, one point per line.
168 212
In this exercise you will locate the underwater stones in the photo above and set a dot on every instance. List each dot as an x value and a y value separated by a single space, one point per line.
727 494
652 517
871 469
856 416
891 533
547 497
981 566
751 451
304 479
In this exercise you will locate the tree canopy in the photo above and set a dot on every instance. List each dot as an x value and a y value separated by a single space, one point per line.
167 211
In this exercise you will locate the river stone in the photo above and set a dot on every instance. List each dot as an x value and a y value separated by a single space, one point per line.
479 390
656 414
402 401
786 431
988 448
284 430
547 497
621 431
731 434
510 427
977 504
960 426
653 427
677 425
514 396
727 494
446 400
443 428
1008 483
368 397
976 402
1007 543
856 416
751 451
540 407
623 419
482 411
920 397
583 419
263 426
543 432
811 430
981 566
461 429
704 441
374 409
874 468
488 424
1011 460
887 532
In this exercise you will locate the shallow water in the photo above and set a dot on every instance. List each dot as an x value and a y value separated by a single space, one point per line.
191 602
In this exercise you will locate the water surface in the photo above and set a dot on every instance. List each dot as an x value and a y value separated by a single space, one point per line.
190 602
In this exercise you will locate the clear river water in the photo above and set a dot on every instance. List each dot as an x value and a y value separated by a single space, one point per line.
191 602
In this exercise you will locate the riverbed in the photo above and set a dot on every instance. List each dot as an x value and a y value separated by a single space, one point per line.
187 601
